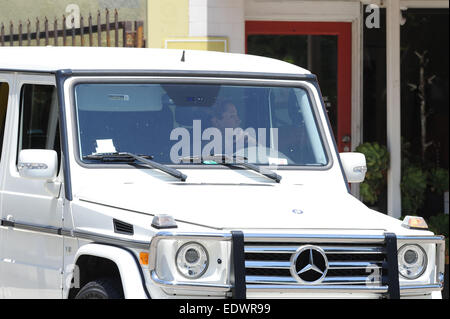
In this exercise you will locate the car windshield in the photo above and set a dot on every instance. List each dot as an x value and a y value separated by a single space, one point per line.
182 123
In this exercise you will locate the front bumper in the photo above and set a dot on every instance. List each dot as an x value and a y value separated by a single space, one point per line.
239 288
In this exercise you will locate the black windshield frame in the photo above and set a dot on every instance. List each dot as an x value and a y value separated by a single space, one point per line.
235 81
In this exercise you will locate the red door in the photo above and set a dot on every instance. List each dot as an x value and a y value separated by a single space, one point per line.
322 47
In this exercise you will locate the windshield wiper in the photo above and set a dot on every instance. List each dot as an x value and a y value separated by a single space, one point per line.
130 157
224 159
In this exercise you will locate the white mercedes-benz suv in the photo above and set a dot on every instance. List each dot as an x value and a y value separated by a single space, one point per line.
147 173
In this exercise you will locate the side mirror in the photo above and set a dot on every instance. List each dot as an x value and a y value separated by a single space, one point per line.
354 166
38 164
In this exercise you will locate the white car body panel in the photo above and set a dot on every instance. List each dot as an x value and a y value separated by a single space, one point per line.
131 281
35 269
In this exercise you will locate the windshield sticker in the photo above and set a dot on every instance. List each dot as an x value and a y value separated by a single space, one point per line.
277 161
105 146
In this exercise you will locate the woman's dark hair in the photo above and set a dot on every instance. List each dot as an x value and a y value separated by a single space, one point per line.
221 108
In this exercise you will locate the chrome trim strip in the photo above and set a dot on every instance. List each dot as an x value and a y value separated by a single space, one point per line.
361 280
421 288
313 238
267 264
353 250
422 239
327 280
354 265
440 262
111 240
105 239
320 289
188 285
67 232
328 250
270 249
263 264
270 280
37 228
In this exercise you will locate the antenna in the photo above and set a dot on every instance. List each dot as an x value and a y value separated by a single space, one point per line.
182 57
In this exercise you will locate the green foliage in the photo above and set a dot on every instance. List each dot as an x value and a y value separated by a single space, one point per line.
377 161
368 193
413 187
438 180
417 176
439 226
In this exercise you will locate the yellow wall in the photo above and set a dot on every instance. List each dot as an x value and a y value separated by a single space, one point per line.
198 43
166 19
168 27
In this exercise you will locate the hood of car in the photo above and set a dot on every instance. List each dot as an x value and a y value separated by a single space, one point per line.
244 206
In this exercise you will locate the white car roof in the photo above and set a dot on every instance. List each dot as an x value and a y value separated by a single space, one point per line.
51 59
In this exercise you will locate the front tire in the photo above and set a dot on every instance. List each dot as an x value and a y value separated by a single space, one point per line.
105 288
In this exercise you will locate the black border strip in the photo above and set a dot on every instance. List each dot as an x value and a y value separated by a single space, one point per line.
108 240
138 265
7 223
392 266
239 288
183 73
61 76
201 79
197 73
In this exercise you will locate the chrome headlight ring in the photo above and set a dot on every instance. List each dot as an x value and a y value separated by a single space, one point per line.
412 261
192 260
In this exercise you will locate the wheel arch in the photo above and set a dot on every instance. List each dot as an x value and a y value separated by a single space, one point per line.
98 260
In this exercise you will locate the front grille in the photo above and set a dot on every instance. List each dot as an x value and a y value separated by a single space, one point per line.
348 264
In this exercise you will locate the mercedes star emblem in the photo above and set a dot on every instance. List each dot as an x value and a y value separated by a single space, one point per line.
309 265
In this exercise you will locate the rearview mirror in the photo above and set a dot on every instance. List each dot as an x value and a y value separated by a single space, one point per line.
38 164
354 165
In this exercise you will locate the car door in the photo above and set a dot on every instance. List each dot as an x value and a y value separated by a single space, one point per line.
6 81
31 247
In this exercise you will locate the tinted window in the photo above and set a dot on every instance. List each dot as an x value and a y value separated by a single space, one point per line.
268 125
39 128
4 91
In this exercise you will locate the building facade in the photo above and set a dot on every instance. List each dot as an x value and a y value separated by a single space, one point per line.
356 47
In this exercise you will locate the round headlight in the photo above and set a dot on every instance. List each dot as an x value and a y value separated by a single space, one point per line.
412 261
192 260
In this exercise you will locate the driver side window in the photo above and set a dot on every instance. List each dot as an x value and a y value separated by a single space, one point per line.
4 92
39 124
